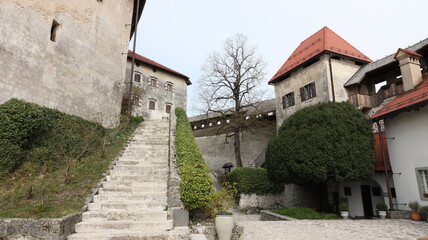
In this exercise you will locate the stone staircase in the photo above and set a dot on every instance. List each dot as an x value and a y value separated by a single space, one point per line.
132 203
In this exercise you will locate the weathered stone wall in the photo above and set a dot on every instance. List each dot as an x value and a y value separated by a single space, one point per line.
318 72
177 98
293 196
216 152
81 72
37 229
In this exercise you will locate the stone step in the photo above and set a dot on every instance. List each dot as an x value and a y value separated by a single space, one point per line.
161 197
122 235
141 168
160 173
156 178
134 190
125 162
121 215
149 185
144 226
128 206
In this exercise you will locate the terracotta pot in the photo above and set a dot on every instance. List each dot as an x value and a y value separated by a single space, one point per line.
224 225
415 216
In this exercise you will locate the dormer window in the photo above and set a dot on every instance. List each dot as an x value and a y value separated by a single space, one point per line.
169 87
153 81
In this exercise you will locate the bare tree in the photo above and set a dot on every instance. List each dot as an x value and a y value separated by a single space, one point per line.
230 87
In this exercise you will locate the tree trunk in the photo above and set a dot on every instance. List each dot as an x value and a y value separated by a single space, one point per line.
237 144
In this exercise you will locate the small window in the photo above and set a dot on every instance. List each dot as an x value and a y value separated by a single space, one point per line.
347 191
135 100
168 108
169 87
288 100
137 77
308 91
422 178
54 31
152 104
376 191
153 82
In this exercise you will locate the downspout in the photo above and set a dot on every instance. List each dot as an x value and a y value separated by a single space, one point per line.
133 58
331 78
385 166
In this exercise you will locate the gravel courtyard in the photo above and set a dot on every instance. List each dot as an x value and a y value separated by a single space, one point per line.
330 229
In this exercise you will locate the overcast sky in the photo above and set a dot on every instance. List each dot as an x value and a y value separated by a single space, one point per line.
181 34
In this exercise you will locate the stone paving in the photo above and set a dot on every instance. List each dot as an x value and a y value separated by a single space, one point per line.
330 229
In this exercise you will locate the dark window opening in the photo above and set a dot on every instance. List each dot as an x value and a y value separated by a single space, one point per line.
393 194
288 100
168 108
137 77
54 31
376 191
347 191
153 82
169 87
308 92
152 104
135 100
336 57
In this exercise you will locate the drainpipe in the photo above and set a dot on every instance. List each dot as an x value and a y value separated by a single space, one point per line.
331 78
385 166
133 59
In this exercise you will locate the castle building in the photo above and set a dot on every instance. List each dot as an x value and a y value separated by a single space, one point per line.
156 89
315 72
67 55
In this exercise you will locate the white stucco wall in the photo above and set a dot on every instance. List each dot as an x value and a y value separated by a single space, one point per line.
408 151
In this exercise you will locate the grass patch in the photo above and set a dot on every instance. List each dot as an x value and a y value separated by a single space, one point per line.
60 166
305 213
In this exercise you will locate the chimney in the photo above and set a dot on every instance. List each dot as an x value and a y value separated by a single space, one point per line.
410 68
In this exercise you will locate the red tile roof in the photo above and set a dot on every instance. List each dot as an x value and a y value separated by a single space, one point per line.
158 65
406 99
323 40
412 53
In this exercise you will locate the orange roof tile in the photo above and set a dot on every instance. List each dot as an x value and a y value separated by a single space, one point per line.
323 40
158 65
412 53
406 99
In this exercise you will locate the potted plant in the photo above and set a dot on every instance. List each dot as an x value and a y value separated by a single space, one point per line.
220 203
424 212
382 208
414 214
343 208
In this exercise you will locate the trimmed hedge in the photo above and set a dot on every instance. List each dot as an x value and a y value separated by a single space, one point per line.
195 186
43 136
253 180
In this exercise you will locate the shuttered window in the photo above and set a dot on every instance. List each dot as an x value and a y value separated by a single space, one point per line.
137 77
288 100
152 104
308 92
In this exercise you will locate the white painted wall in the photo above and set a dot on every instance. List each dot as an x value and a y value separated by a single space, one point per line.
409 150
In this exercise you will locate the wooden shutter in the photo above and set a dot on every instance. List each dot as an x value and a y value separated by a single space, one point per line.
302 94
314 92
283 102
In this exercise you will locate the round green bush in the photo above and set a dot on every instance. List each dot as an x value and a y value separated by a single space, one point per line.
325 141
253 180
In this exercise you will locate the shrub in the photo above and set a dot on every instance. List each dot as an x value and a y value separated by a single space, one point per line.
381 207
253 180
195 186
415 206
305 213
343 207
423 210
322 142
44 136
223 200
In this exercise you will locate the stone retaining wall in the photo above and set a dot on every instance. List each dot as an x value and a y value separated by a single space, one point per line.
266 215
35 229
